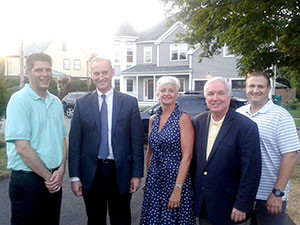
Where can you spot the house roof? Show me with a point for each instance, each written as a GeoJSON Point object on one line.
{"type": "Point", "coordinates": [35, 47]}
{"type": "Point", "coordinates": [154, 33]}
{"type": "Point", "coordinates": [126, 29]}
{"type": "Point", "coordinates": [153, 68]}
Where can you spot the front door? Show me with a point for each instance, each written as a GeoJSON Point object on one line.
{"type": "Point", "coordinates": [148, 89]}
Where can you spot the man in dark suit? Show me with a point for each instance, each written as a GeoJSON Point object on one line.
{"type": "Point", "coordinates": [106, 155]}
{"type": "Point", "coordinates": [227, 162]}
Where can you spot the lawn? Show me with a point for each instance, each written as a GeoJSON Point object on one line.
{"type": "Point", "coordinates": [293, 207]}
{"type": "Point", "coordinates": [295, 113]}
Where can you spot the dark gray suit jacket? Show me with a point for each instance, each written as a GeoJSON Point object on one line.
{"type": "Point", "coordinates": [126, 139]}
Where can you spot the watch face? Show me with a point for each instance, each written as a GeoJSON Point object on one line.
{"type": "Point", "coordinates": [278, 193]}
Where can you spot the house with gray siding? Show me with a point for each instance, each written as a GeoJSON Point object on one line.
{"type": "Point", "coordinates": [159, 54]}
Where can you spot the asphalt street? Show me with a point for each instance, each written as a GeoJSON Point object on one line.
{"type": "Point", "coordinates": [73, 210]}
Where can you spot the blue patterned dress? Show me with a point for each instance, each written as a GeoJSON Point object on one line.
{"type": "Point", "coordinates": [162, 174]}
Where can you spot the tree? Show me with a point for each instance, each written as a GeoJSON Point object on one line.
{"type": "Point", "coordinates": [2, 66]}
{"type": "Point", "coordinates": [53, 87]}
{"type": "Point", "coordinates": [78, 85]}
{"type": "Point", "coordinates": [260, 33]}
{"type": "Point", "coordinates": [3, 98]}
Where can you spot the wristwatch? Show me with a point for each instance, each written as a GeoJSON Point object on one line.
{"type": "Point", "coordinates": [178, 186]}
{"type": "Point", "coordinates": [277, 192]}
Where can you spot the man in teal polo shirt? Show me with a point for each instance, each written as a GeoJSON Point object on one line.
{"type": "Point", "coordinates": [36, 147]}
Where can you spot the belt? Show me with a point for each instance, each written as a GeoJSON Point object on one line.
{"type": "Point", "coordinates": [106, 161]}
{"type": "Point", "coordinates": [31, 172]}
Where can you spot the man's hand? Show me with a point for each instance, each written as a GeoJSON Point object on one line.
{"type": "Point", "coordinates": [274, 204]}
{"type": "Point", "coordinates": [76, 187]}
{"type": "Point", "coordinates": [135, 184]}
{"type": "Point", "coordinates": [237, 215]}
{"type": "Point", "coordinates": [55, 181]}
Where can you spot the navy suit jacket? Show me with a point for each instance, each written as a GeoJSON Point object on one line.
{"type": "Point", "coordinates": [230, 177]}
{"type": "Point", "coordinates": [126, 139]}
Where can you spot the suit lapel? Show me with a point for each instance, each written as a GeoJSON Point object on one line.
{"type": "Point", "coordinates": [117, 102]}
{"type": "Point", "coordinates": [227, 123]}
{"type": "Point", "coordinates": [205, 135]}
{"type": "Point", "coordinates": [95, 109]}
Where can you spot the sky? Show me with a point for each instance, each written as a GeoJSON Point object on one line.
{"type": "Point", "coordinates": [88, 23]}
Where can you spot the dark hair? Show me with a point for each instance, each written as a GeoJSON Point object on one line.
{"type": "Point", "coordinates": [30, 60]}
{"type": "Point", "coordinates": [259, 74]}
{"type": "Point", "coordinates": [100, 59]}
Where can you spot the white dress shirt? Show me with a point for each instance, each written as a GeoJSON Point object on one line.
{"type": "Point", "coordinates": [109, 103]}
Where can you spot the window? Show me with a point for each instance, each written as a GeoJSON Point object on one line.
{"type": "Point", "coordinates": [64, 46]}
{"type": "Point", "coordinates": [66, 64]}
{"type": "Point", "coordinates": [199, 85]}
{"type": "Point", "coordinates": [117, 84]}
{"type": "Point", "coordinates": [226, 52]}
{"type": "Point", "coordinates": [117, 70]}
{"type": "Point", "coordinates": [129, 86]}
{"type": "Point", "coordinates": [178, 52]}
{"type": "Point", "coordinates": [147, 54]}
{"type": "Point", "coordinates": [77, 64]}
{"type": "Point", "coordinates": [129, 54]}
{"type": "Point", "coordinates": [238, 84]}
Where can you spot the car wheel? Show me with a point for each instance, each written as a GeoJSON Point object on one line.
{"type": "Point", "coordinates": [69, 112]}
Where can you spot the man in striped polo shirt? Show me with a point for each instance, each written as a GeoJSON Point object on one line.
{"type": "Point", "coordinates": [279, 143]}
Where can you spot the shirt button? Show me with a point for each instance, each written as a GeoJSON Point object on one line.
{"type": "Point", "coordinates": [202, 188]}
{"type": "Point", "coordinates": [205, 173]}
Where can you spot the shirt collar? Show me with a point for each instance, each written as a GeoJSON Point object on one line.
{"type": "Point", "coordinates": [213, 122]}
{"type": "Point", "coordinates": [264, 109]}
{"type": "Point", "coordinates": [35, 96]}
{"type": "Point", "coordinates": [108, 94]}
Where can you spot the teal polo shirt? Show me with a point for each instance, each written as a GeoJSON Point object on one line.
{"type": "Point", "coordinates": [37, 120]}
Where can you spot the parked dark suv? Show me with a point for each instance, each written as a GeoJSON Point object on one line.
{"type": "Point", "coordinates": [68, 102]}
{"type": "Point", "coordinates": [192, 104]}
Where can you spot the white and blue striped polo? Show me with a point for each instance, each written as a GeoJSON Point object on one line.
{"type": "Point", "coordinates": [278, 136]}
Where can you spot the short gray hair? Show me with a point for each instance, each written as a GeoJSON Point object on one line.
{"type": "Point", "coordinates": [214, 79]}
{"type": "Point", "coordinates": [165, 80]}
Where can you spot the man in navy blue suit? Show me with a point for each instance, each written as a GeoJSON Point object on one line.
{"type": "Point", "coordinates": [226, 165]}
{"type": "Point", "coordinates": [106, 157]}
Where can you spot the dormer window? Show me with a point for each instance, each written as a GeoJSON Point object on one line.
{"type": "Point", "coordinates": [147, 54]}
{"type": "Point", "coordinates": [178, 52]}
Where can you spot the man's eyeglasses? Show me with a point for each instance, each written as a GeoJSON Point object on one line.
{"type": "Point", "coordinates": [259, 87]}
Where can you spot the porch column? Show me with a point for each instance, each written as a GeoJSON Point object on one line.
{"type": "Point", "coordinates": [154, 87]}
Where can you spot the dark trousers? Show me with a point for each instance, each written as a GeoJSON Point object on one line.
{"type": "Point", "coordinates": [262, 217]}
{"type": "Point", "coordinates": [104, 192]}
{"type": "Point", "coordinates": [31, 202]}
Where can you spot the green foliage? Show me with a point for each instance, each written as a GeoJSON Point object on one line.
{"type": "Point", "coordinates": [291, 104]}
{"type": "Point", "coordinates": [78, 85]}
{"type": "Point", "coordinates": [2, 66]}
{"type": "Point", "coordinates": [53, 87]}
{"type": "Point", "coordinates": [292, 77]}
{"type": "Point", "coordinates": [3, 159]}
{"type": "Point", "coordinates": [66, 86]}
{"type": "Point", "coordinates": [259, 33]}
{"type": "Point", "coordinates": [3, 98]}
{"type": "Point", "coordinates": [12, 81]}
{"type": "Point", "coordinates": [92, 86]}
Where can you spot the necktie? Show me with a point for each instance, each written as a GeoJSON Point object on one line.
{"type": "Point", "coordinates": [103, 148]}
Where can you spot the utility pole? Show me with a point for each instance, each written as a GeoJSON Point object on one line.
{"type": "Point", "coordinates": [21, 65]}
